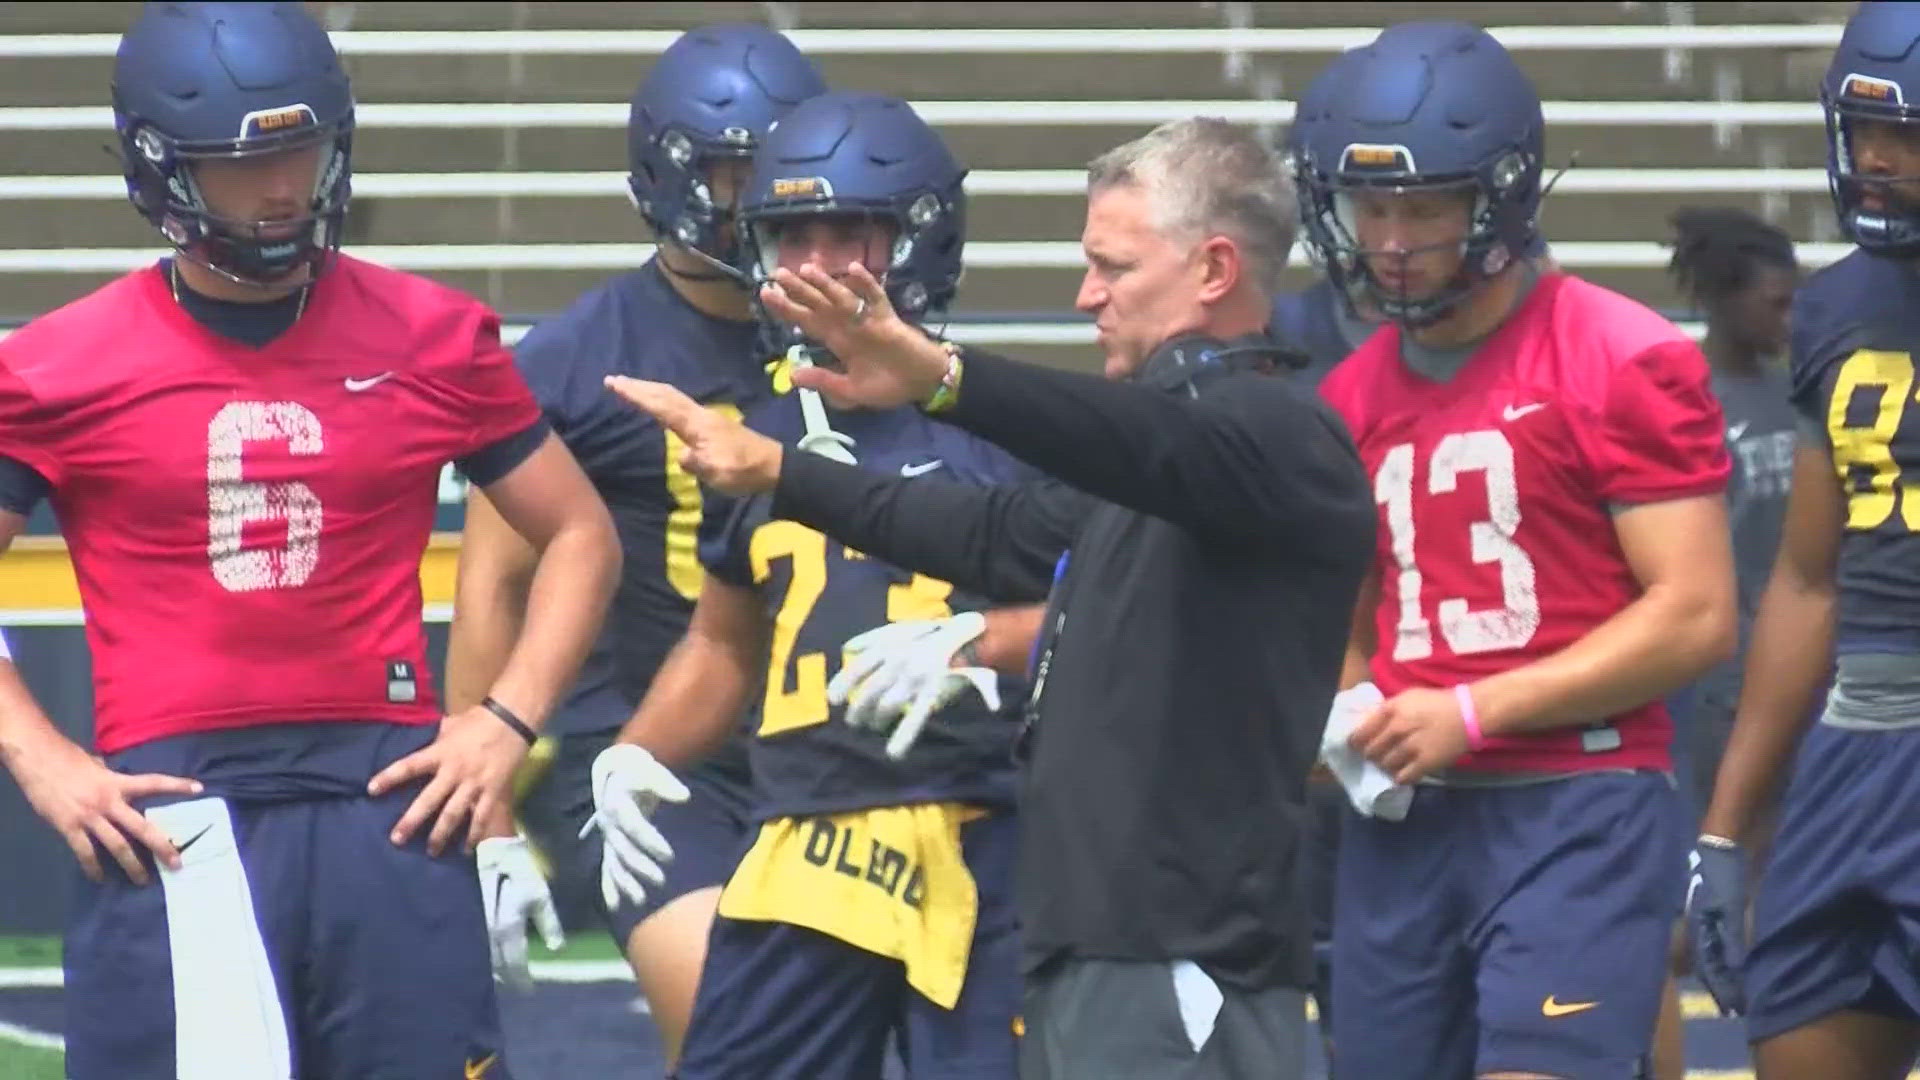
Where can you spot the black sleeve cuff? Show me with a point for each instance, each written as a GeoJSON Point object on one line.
{"type": "Point", "coordinates": [494, 461]}
{"type": "Point", "coordinates": [21, 487]}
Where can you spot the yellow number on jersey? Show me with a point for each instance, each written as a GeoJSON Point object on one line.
{"type": "Point", "coordinates": [1871, 448]}
{"type": "Point", "coordinates": [683, 521]}
{"type": "Point", "coordinates": [806, 703]}
{"type": "Point", "coordinates": [799, 699]}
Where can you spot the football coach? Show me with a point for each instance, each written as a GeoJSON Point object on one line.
{"type": "Point", "coordinates": [1217, 523]}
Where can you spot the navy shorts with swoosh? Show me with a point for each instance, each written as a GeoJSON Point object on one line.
{"type": "Point", "coordinates": [379, 953]}
{"type": "Point", "coordinates": [1508, 929]}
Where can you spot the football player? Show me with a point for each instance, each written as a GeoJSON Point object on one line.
{"type": "Point", "coordinates": [241, 443]}
{"type": "Point", "coordinates": [1739, 272]}
{"type": "Point", "coordinates": [1830, 988]}
{"type": "Point", "coordinates": [1548, 461]}
{"type": "Point", "coordinates": [683, 318]}
{"type": "Point", "coordinates": [875, 898]}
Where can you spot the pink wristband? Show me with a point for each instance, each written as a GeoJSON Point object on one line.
{"type": "Point", "coordinates": [1469, 719]}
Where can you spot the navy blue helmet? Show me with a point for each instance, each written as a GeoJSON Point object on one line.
{"type": "Point", "coordinates": [1310, 110]}
{"type": "Point", "coordinates": [712, 95]}
{"type": "Point", "coordinates": [197, 81]}
{"type": "Point", "coordinates": [1874, 71]}
{"type": "Point", "coordinates": [1313, 106]}
{"type": "Point", "coordinates": [1435, 105]}
{"type": "Point", "coordinates": [872, 155]}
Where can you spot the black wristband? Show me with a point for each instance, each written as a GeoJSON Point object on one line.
{"type": "Point", "coordinates": [507, 717]}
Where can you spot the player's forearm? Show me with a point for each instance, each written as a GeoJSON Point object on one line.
{"type": "Point", "coordinates": [693, 704]}
{"type": "Point", "coordinates": [1357, 666]}
{"type": "Point", "coordinates": [24, 727]}
{"type": "Point", "coordinates": [572, 584]}
{"type": "Point", "coordinates": [1652, 647]}
{"type": "Point", "coordinates": [1007, 644]}
{"type": "Point", "coordinates": [489, 610]}
{"type": "Point", "coordinates": [1786, 664]}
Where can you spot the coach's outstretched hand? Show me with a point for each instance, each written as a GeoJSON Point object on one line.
{"type": "Point", "coordinates": [884, 361]}
{"type": "Point", "coordinates": [86, 802]}
{"type": "Point", "coordinates": [469, 770]}
{"type": "Point", "coordinates": [721, 452]}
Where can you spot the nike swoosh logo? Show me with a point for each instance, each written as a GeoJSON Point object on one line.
{"type": "Point", "coordinates": [1737, 430]}
{"type": "Point", "coordinates": [183, 845]}
{"type": "Point", "coordinates": [354, 386]}
{"type": "Point", "coordinates": [1552, 1008]}
{"type": "Point", "coordinates": [921, 469]}
{"type": "Point", "coordinates": [1515, 412]}
{"type": "Point", "coordinates": [477, 1070]}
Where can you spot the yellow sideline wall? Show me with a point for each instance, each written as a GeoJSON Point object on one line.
{"type": "Point", "coordinates": [36, 575]}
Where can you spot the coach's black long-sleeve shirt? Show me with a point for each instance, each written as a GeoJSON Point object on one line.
{"type": "Point", "coordinates": [1220, 524]}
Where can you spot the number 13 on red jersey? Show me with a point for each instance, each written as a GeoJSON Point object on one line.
{"type": "Point", "coordinates": [1492, 541]}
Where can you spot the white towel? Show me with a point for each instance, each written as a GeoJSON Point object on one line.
{"type": "Point", "coordinates": [1371, 791]}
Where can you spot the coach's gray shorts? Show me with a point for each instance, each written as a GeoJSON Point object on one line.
{"type": "Point", "coordinates": [1151, 1020]}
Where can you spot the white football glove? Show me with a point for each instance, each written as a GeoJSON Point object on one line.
{"type": "Point", "coordinates": [628, 785]}
{"type": "Point", "coordinates": [515, 893]}
{"type": "Point", "coordinates": [897, 676]}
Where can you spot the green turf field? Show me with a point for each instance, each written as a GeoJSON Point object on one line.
{"type": "Point", "coordinates": [19, 1061]}
{"type": "Point", "coordinates": [23, 1058]}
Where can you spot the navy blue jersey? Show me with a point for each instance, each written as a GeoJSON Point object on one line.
{"type": "Point", "coordinates": [1856, 327]}
{"type": "Point", "coordinates": [635, 324]}
{"type": "Point", "coordinates": [1315, 321]}
{"type": "Point", "coordinates": [817, 593]}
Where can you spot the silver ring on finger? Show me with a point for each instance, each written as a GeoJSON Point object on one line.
{"type": "Point", "coordinates": [860, 309]}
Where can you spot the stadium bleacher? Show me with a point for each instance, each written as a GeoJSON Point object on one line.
{"type": "Point", "coordinates": [490, 153]}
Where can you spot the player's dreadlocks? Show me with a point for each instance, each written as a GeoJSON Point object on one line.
{"type": "Point", "coordinates": [1716, 249]}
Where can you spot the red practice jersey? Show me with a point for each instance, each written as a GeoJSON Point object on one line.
{"type": "Point", "coordinates": [1496, 491]}
{"type": "Point", "coordinates": [247, 524]}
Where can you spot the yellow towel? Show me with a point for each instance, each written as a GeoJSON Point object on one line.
{"type": "Point", "coordinates": [890, 880]}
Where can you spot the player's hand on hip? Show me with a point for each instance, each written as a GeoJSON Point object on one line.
{"type": "Point", "coordinates": [1413, 734]}
{"type": "Point", "coordinates": [515, 893]}
{"type": "Point", "coordinates": [720, 452]}
{"type": "Point", "coordinates": [629, 784]}
{"type": "Point", "coordinates": [86, 802]}
{"type": "Point", "coordinates": [1717, 920]}
{"type": "Point", "coordinates": [469, 773]}
{"type": "Point", "coordinates": [895, 677]}
{"type": "Point", "coordinates": [884, 362]}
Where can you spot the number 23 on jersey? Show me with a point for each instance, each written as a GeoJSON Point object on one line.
{"type": "Point", "coordinates": [1492, 542]}
{"type": "Point", "coordinates": [796, 692]}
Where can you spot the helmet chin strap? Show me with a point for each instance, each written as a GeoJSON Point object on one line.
{"type": "Point", "coordinates": [820, 438]}
{"type": "Point", "coordinates": [193, 254]}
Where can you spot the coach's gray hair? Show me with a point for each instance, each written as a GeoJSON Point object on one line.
{"type": "Point", "coordinates": [1204, 176]}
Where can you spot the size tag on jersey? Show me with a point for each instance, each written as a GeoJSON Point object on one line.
{"type": "Point", "coordinates": [1599, 740]}
{"type": "Point", "coordinates": [402, 687]}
